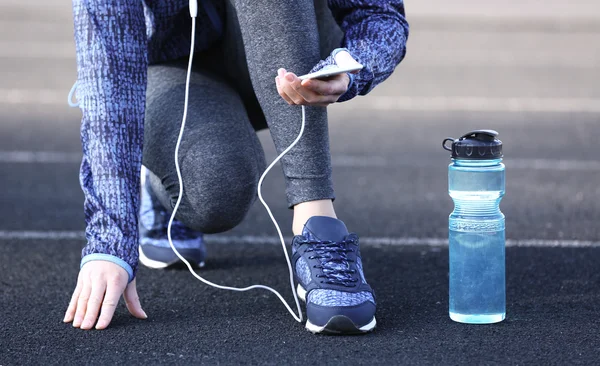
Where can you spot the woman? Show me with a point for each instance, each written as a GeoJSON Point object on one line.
{"type": "Point", "coordinates": [131, 77]}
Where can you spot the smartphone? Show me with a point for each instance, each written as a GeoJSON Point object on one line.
{"type": "Point", "coordinates": [331, 70]}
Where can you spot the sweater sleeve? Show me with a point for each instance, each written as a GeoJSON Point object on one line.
{"type": "Point", "coordinates": [111, 44]}
{"type": "Point", "coordinates": [375, 34]}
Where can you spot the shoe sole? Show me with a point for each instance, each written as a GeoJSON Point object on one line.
{"type": "Point", "coordinates": [338, 324]}
{"type": "Point", "coordinates": [154, 264]}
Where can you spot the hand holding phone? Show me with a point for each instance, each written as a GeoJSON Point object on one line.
{"type": "Point", "coordinates": [320, 88]}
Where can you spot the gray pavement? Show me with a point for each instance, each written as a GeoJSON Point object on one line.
{"type": "Point", "coordinates": [527, 69]}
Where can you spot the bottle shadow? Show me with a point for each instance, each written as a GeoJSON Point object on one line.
{"type": "Point", "coordinates": [544, 286]}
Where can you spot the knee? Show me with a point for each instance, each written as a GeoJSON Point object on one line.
{"type": "Point", "coordinates": [219, 213]}
{"type": "Point", "coordinates": [217, 197]}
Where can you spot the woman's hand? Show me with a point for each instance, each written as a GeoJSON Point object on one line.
{"type": "Point", "coordinates": [99, 286]}
{"type": "Point", "coordinates": [312, 92]}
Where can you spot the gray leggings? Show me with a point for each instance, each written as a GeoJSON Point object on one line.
{"type": "Point", "coordinates": [233, 94]}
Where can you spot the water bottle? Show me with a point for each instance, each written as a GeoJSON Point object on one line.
{"type": "Point", "coordinates": [476, 228]}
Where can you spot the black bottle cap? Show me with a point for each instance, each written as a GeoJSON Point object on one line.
{"type": "Point", "coordinates": [475, 145]}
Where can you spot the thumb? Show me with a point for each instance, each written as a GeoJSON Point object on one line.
{"type": "Point", "coordinates": [344, 59]}
{"type": "Point", "coordinates": [132, 301]}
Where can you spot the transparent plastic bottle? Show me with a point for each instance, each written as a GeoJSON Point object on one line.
{"type": "Point", "coordinates": [476, 183]}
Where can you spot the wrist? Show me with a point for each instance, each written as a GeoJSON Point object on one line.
{"type": "Point", "coordinates": [109, 258]}
{"type": "Point", "coordinates": [351, 90]}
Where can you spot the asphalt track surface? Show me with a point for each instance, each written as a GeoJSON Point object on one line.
{"type": "Point", "coordinates": [390, 175]}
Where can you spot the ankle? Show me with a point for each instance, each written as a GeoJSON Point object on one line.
{"type": "Point", "coordinates": [306, 210]}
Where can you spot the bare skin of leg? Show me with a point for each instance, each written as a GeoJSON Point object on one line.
{"type": "Point", "coordinates": [306, 210]}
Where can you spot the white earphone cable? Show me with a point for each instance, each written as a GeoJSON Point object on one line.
{"type": "Point", "coordinates": [189, 266]}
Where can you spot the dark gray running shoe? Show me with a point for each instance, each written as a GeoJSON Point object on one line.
{"type": "Point", "coordinates": [328, 268]}
{"type": "Point", "coordinates": [155, 251]}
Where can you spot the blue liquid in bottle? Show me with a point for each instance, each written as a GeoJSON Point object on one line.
{"type": "Point", "coordinates": [476, 238]}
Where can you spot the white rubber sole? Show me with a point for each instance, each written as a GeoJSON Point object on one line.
{"type": "Point", "coordinates": [317, 329]}
{"type": "Point", "coordinates": [150, 263]}
{"type": "Point", "coordinates": [323, 329]}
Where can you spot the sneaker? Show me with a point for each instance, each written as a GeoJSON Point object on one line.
{"type": "Point", "coordinates": [330, 277]}
{"type": "Point", "coordinates": [155, 251]}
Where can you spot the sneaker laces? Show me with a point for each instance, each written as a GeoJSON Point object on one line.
{"type": "Point", "coordinates": [335, 264]}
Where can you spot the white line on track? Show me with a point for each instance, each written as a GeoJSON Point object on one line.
{"type": "Point", "coordinates": [37, 50]}
{"type": "Point", "coordinates": [34, 97]}
{"type": "Point", "coordinates": [479, 104]}
{"type": "Point", "coordinates": [38, 157]}
{"type": "Point", "coordinates": [351, 161]}
{"type": "Point", "coordinates": [274, 240]}
{"type": "Point", "coordinates": [377, 103]}
{"type": "Point", "coordinates": [556, 164]}
{"type": "Point", "coordinates": [41, 235]}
